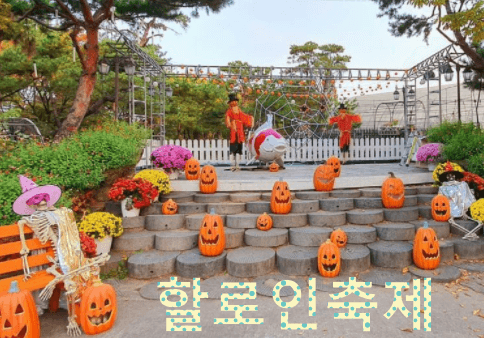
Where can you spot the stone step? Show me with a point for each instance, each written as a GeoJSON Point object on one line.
{"type": "Point", "coordinates": [355, 258]}
{"type": "Point", "coordinates": [152, 209]}
{"type": "Point", "coordinates": [368, 203]}
{"type": "Point", "coordinates": [359, 234]}
{"type": "Point", "coordinates": [133, 223]}
{"type": "Point", "coordinates": [410, 201]}
{"type": "Point", "coordinates": [361, 216]}
{"type": "Point", "coordinates": [113, 208]}
{"type": "Point", "coordinates": [269, 238]}
{"type": "Point", "coordinates": [303, 207]}
{"type": "Point", "coordinates": [467, 224]}
{"type": "Point", "coordinates": [381, 276]}
{"type": "Point", "coordinates": [152, 264]}
{"type": "Point", "coordinates": [446, 251]}
{"type": "Point", "coordinates": [164, 222]}
{"type": "Point", "coordinates": [113, 262]}
{"type": "Point", "coordinates": [267, 196]}
{"type": "Point", "coordinates": [392, 254]}
{"type": "Point", "coordinates": [226, 208]}
{"type": "Point", "coordinates": [211, 198]}
{"type": "Point", "coordinates": [309, 236]}
{"type": "Point", "coordinates": [244, 197]}
{"type": "Point", "coordinates": [250, 261]}
{"type": "Point", "coordinates": [370, 192]}
{"type": "Point", "coordinates": [407, 214]}
{"type": "Point", "coordinates": [258, 207]}
{"type": "Point", "coordinates": [345, 193]}
{"type": "Point", "coordinates": [234, 238]}
{"type": "Point", "coordinates": [410, 191]}
{"type": "Point", "coordinates": [192, 208]}
{"type": "Point", "coordinates": [178, 197]}
{"type": "Point", "coordinates": [297, 260]}
{"type": "Point", "coordinates": [193, 222]}
{"type": "Point", "coordinates": [173, 240]}
{"type": "Point", "coordinates": [425, 211]}
{"type": "Point", "coordinates": [134, 241]}
{"type": "Point", "coordinates": [336, 204]}
{"type": "Point", "coordinates": [192, 264]}
{"type": "Point", "coordinates": [443, 274]}
{"type": "Point", "coordinates": [425, 199]}
{"type": "Point", "coordinates": [289, 220]}
{"type": "Point", "coordinates": [242, 221]}
{"type": "Point", "coordinates": [327, 218]}
{"type": "Point", "coordinates": [395, 231]}
{"type": "Point", "coordinates": [427, 189]}
{"type": "Point", "coordinates": [442, 229]}
{"type": "Point", "coordinates": [312, 195]}
{"type": "Point", "coordinates": [466, 249]}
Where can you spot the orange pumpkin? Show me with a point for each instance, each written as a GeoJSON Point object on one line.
{"type": "Point", "coordinates": [329, 259]}
{"type": "Point", "coordinates": [192, 169]}
{"type": "Point", "coordinates": [18, 314]}
{"type": "Point", "coordinates": [393, 192]}
{"type": "Point", "coordinates": [208, 180]}
{"type": "Point", "coordinates": [98, 309]}
{"type": "Point", "coordinates": [281, 198]}
{"type": "Point", "coordinates": [336, 164]}
{"type": "Point", "coordinates": [264, 222]}
{"type": "Point", "coordinates": [274, 167]}
{"type": "Point", "coordinates": [211, 239]}
{"type": "Point", "coordinates": [323, 178]}
{"type": "Point", "coordinates": [440, 208]}
{"type": "Point", "coordinates": [169, 207]}
{"type": "Point", "coordinates": [339, 238]}
{"type": "Point", "coordinates": [426, 250]}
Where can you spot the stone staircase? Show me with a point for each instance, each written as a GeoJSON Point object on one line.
{"type": "Point", "coordinates": [161, 245]}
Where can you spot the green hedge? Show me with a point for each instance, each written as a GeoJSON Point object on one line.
{"type": "Point", "coordinates": [76, 163]}
{"type": "Point", "coordinates": [444, 132]}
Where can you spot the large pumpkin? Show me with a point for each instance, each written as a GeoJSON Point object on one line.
{"type": "Point", "coordinates": [264, 222]}
{"type": "Point", "coordinates": [334, 162]}
{"type": "Point", "coordinates": [393, 192]}
{"type": "Point", "coordinates": [192, 169]}
{"type": "Point", "coordinates": [169, 207]}
{"type": "Point", "coordinates": [211, 239]}
{"type": "Point", "coordinates": [323, 178]}
{"type": "Point", "coordinates": [339, 238]}
{"type": "Point", "coordinates": [281, 198]}
{"type": "Point", "coordinates": [426, 250]}
{"type": "Point", "coordinates": [208, 180]}
{"type": "Point", "coordinates": [329, 259]}
{"type": "Point", "coordinates": [440, 208]}
{"type": "Point", "coordinates": [98, 309]}
{"type": "Point", "coordinates": [18, 314]}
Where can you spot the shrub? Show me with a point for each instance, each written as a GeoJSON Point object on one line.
{"type": "Point", "coordinates": [463, 146]}
{"type": "Point", "coordinates": [476, 164]}
{"type": "Point", "coordinates": [444, 132]}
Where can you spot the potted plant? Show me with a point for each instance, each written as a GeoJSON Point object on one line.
{"type": "Point", "coordinates": [158, 178]}
{"type": "Point", "coordinates": [88, 245]}
{"type": "Point", "coordinates": [430, 153]}
{"type": "Point", "coordinates": [171, 159]}
{"type": "Point", "coordinates": [134, 194]}
{"type": "Point", "coordinates": [102, 227]}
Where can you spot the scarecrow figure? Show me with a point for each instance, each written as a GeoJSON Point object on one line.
{"type": "Point", "coordinates": [59, 227]}
{"type": "Point", "coordinates": [345, 121]}
{"type": "Point", "coordinates": [235, 120]}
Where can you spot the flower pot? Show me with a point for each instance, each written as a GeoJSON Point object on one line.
{"type": "Point", "coordinates": [104, 245]}
{"type": "Point", "coordinates": [174, 174]}
{"type": "Point", "coordinates": [432, 166]}
{"type": "Point", "coordinates": [134, 212]}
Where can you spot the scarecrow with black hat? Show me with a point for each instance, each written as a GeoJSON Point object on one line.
{"type": "Point", "coordinates": [235, 120]}
{"type": "Point", "coordinates": [458, 193]}
{"type": "Point", "coordinates": [345, 121]}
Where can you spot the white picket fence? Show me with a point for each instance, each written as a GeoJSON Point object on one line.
{"type": "Point", "coordinates": [301, 150]}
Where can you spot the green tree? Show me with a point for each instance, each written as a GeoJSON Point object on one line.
{"type": "Point", "coordinates": [312, 55]}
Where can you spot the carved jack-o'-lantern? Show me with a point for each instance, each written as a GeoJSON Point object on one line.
{"type": "Point", "coordinates": [323, 178]}
{"type": "Point", "coordinates": [281, 198]}
{"type": "Point", "coordinates": [192, 169]}
{"type": "Point", "coordinates": [274, 167]}
{"type": "Point", "coordinates": [98, 308]}
{"type": "Point", "coordinates": [264, 222]}
{"type": "Point", "coordinates": [18, 314]}
{"type": "Point", "coordinates": [440, 208]}
{"type": "Point", "coordinates": [426, 249]}
{"type": "Point", "coordinates": [169, 207]}
{"type": "Point", "coordinates": [339, 238]}
{"type": "Point", "coordinates": [211, 239]}
{"type": "Point", "coordinates": [329, 259]}
{"type": "Point", "coordinates": [393, 192]}
{"type": "Point", "coordinates": [208, 180]}
{"type": "Point", "coordinates": [336, 164]}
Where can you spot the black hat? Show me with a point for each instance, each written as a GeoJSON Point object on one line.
{"type": "Point", "coordinates": [448, 175]}
{"type": "Point", "coordinates": [342, 106]}
{"type": "Point", "coordinates": [233, 97]}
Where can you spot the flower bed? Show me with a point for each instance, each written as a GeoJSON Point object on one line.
{"type": "Point", "coordinates": [158, 178]}
{"type": "Point", "coordinates": [140, 191]}
{"type": "Point", "coordinates": [170, 157]}
{"type": "Point", "coordinates": [430, 152]}
{"type": "Point", "coordinates": [101, 224]}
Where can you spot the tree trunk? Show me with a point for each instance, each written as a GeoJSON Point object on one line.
{"type": "Point", "coordinates": [144, 40]}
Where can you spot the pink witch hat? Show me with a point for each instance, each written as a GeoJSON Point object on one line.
{"type": "Point", "coordinates": [29, 190]}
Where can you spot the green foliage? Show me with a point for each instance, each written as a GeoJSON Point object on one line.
{"type": "Point", "coordinates": [315, 56]}
{"type": "Point", "coordinates": [463, 146]}
{"type": "Point", "coordinates": [121, 272]}
{"type": "Point", "coordinates": [476, 164]}
{"type": "Point", "coordinates": [444, 132]}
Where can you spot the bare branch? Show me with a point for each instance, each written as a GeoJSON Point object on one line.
{"type": "Point", "coordinates": [60, 29]}
{"type": "Point", "coordinates": [86, 11]}
{"type": "Point", "coordinates": [68, 12]}
{"type": "Point", "coordinates": [73, 36]}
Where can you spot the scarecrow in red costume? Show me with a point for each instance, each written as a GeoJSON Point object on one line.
{"type": "Point", "coordinates": [345, 125]}
{"type": "Point", "coordinates": [235, 120]}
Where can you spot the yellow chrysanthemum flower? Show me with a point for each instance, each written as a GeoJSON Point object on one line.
{"type": "Point", "coordinates": [156, 177]}
{"type": "Point", "coordinates": [101, 224]}
{"type": "Point", "coordinates": [441, 168]}
{"type": "Point", "coordinates": [477, 210]}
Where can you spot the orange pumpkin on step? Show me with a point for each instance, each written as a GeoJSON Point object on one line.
{"type": "Point", "coordinates": [440, 208]}
{"type": "Point", "coordinates": [211, 238]}
{"type": "Point", "coordinates": [393, 192]}
{"type": "Point", "coordinates": [264, 222]}
{"type": "Point", "coordinates": [329, 259]}
{"type": "Point", "coordinates": [274, 167]}
{"type": "Point", "coordinates": [169, 207]}
{"type": "Point", "coordinates": [426, 249]}
{"type": "Point", "coordinates": [281, 198]}
{"type": "Point", "coordinates": [192, 169]}
{"type": "Point", "coordinates": [208, 180]}
{"type": "Point", "coordinates": [323, 178]}
{"type": "Point", "coordinates": [339, 238]}
{"type": "Point", "coordinates": [336, 164]}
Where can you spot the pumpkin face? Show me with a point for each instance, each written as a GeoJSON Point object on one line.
{"type": "Point", "coordinates": [192, 169]}
{"type": "Point", "coordinates": [329, 259]}
{"type": "Point", "coordinates": [264, 222]}
{"type": "Point", "coordinates": [18, 314]}
{"type": "Point", "coordinates": [169, 207]}
{"type": "Point", "coordinates": [426, 250]}
{"type": "Point", "coordinates": [274, 167]}
{"type": "Point", "coordinates": [281, 198]}
{"type": "Point", "coordinates": [440, 208]}
{"type": "Point", "coordinates": [339, 238]}
{"type": "Point", "coordinates": [208, 180]}
{"type": "Point", "coordinates": [393, 192]}
{"type": "Point", "coordinates": [211, 239]}
{"type": "Point", "coordinates": [334, 162]}
{"type": "Point", "coordinates": [323, 178]}
{"type": "Point", "coordinates": [98, 309]}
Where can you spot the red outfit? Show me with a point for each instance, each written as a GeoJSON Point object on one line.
{"type": "Point", "coordinates": [344, 122]}
{"type": "Point", "coordinates": [235, 119]}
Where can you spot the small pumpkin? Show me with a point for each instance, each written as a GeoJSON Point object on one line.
{"type": "Point", "coordinates": [426, 249]}
{"type": "Point", "coordinates": [334, 162]}
{"type": "Point", "coordinates": [18, 314]}
{"type": "Point", "coordinates": [192, 169]}
{"type": "Point", "coordinates": [339, 238]}
{"type": "Point", "coordinates": [329, 259]}
{"type": "Point", "coordinates": [169, 207]}
{"type": "Point", "coordinates": [440, 208]}
{"type": "Point", "coordinates": [323, 178]}
{"type": "Point", "coordinates": [208, 180]}
{"type": "Point", "coordinates": [264, 222]}
{"type": "Point", "coordinates": [281, 202]}
{"type": "Point", "coordinates": [274, 167]}
{"type": "Point", "coordinates": [211, 238]}
{"type": "Point", "coordinates": [393, 192]}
